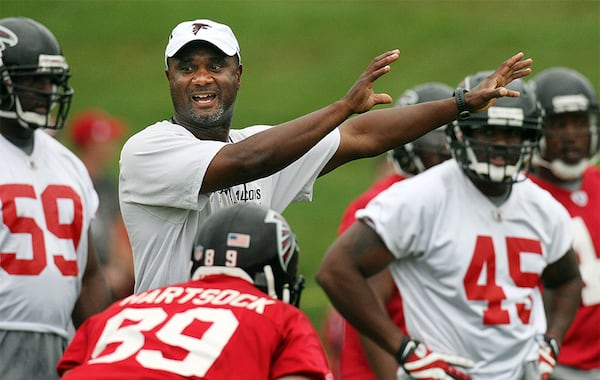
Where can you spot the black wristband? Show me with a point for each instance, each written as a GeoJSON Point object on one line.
{"type": "Point", "coordinates": [407, 347]}
{"type": "Point", "coordinates": [463, 110]}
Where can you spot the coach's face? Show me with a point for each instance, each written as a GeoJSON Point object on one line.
{"type": "Point", "coordinates": [204, 83]}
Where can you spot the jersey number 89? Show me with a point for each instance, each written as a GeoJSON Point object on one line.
{"type": "Point", "coordinates": [202, 351]}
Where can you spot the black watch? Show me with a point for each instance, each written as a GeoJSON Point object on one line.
{"type": "Point", "coordinates": [463, 110]}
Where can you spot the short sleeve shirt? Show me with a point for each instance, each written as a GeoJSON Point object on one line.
{"type": "Point", "coordinates": [161, 173]}
{"type": "Point", "coordinates": [468, 270]}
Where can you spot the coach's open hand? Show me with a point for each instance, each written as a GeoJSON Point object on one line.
{"type": "Point", "coordinates": [484, 95]}
{"type": "Point", "coordinates": [361, 98]}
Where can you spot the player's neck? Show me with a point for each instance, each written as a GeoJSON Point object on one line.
{"type": "Point", "coordinates": [496, 192]}
{"type": "Point", "coordinates": [25, 144]}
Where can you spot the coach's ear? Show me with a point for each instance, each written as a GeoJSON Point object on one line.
{"type": "Point", "coordinates": [238, 73]}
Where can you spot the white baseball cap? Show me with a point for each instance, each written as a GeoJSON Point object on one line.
{"type": "Point", "coordinates": [217, 34]}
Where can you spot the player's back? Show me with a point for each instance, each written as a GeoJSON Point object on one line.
{"type": "Point", "coordinates": [220, 327]}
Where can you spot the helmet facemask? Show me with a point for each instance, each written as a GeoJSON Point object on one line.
{"type": "Point", "coordinates": [569, 171]}
{"type": "Point", "coordinates": [20, 96]}
{"type": "Point", "coordinates": [564, 91]}
{"type": "Point", "coordinates": [34, 75]}
{"type": "Point", "coordinates": [474, 142]}
{"type": "Point", "coordinates": [489, 161]}
{"type": "Point", "coordinates": [289, 290]}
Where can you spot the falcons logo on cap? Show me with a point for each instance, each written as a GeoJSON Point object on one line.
{"type": "Point", "coordinates": [7, 38]}
{"type": "Point", "coordinates": [197, 26]}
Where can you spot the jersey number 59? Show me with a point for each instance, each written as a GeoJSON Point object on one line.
{"type": "Point", "coordinates": [51, 199]}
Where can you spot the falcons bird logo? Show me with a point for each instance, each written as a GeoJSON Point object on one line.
{"type": "Point", "coordinates": [7, 38]}
{"type": "Point", "coordinates": [286, 241]}
{"type": "Point", "coordinates": [197, 26]}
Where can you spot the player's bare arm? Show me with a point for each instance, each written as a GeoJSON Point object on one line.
{"type": "Point", "coordinates": [272, 150]}
{"type": "Point", "coordinates": [377, 131]}
{"type": "Point", "coordinates": [562, 293]}
{"type": "Point", "coordinates": [343, 275]}
{"type": "Point", "coordinates": [383, 364]}
{"type": "Point", "coordinates": [95, 293]}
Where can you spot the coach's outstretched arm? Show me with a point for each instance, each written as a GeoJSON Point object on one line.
{"type": "Point", "coordinates": [272, 150]}
{"type": "Point", "coordinates": [377, 131]}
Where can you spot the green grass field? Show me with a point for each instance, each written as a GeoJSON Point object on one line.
{"type": "Point", "coordinates": [301, 55]}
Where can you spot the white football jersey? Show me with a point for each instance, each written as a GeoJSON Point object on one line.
{"type": "Point", "coordinates": [47, 201]}
{"type": "Point", "coordinates": [468, 271]}
{"type": "Point", "coordinates": [162, 169]}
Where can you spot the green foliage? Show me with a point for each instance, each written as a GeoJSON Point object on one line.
{"type": "Point", "coordinates": [302, 55]}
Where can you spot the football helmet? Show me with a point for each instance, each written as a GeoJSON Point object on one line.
{"type": "Point", "coordinates": [256, 240]}
{"type": "Point", "coordinates": [408, 158]}
{"type": "Point", "coordinates": [30, 55]}
{"type": "Point", "coordinates": [520, 118]}
{"type": "Point", "coordinates": [561, 90]}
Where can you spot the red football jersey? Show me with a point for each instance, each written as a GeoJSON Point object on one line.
{"type": "Point", "coordinates": [353, 363]}
{"type": "Point", "coordinates": [360, 202]}
{"type": "Point", "coordinates": [581, 346]}
{"type": "Point", "coordinates": [219, 327]}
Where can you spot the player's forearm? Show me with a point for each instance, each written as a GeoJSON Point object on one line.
{"type": "Point", "coordinates": [381, 362]}
{"type": "Point", "coordinates": [562, 303]}
{"type": "Point", "coordinates": [355, 300]}
{"type": "Point", "coordinates": [358, 306]}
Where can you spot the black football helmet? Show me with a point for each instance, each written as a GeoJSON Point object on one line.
{"type": "Point", "coordinates": [29, 53]}
{"type": "Point", "coordinates": [255, 239]}
{"type": "Point", "coordinates": [408, 158]}
{"type": "Point", "coordinates": [520, 116]}
{"type": "Point", "coordinates": [562, 90]}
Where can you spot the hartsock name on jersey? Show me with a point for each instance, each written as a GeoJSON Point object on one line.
{"type": "Point", "coordinates": [199, 296]}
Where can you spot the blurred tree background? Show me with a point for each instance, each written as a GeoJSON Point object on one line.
{"type": "Point", "coordinates": [299, 56]}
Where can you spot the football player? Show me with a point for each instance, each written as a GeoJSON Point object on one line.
{"type": "Point", "coordinates": [237, 318]}
{"type": "Point", "coordinates": [49, 273]}
{"type": "Point", "coordinates": [358, 358]}
{"type": "Point", "coordinates": [467, 243]}
{"type": "Point", "coordinates": [565, 167]}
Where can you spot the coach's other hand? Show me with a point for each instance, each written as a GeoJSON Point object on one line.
{"type": "Point", "coordinates": [483, 96]}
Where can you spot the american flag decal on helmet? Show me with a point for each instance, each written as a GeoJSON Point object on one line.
{"type": "Point", "coordinates": [286, 241]}
{"type": "Point", "coordinates": [238, 240]}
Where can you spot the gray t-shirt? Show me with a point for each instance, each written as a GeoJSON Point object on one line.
{"type": "Point", "coordinates": [162, 169]}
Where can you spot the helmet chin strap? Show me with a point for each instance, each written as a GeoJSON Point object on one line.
{"type": "Point", "coordinates": [562, 170]}
{"type": "Point", "coordinates": [270, 279]}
